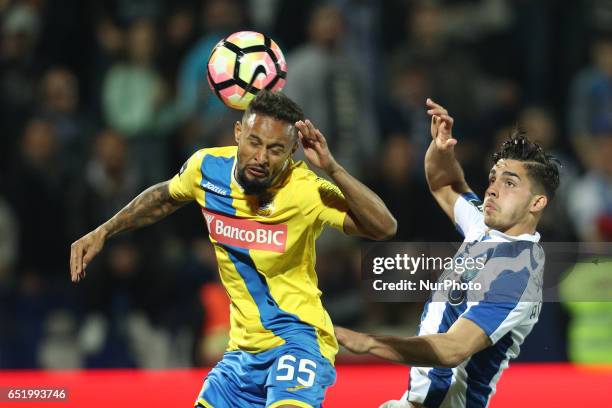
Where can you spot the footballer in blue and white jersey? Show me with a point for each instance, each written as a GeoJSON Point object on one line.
{"type": "Point", "coordinates": [514, 267]}
{"type": "Point", "coordinates": [467, 336]}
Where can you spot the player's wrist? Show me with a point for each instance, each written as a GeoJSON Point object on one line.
{"type": "Point", "coordinates": [333, 168]}
{"type": "Point", "coordinates": [103, 232]}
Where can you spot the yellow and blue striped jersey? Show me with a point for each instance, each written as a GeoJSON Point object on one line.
{"type": "Point", "coordinates": [266, 250]}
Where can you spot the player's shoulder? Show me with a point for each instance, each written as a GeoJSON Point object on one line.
{"type": "Point", "coordinates": [305, 179]}
{"type": "Point", "coordinates": [301, 173]}
{"type": "Point", "coordinates": [222, 151]}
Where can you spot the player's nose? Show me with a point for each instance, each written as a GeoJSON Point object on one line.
{"type": "Point", "coordinates": [491, 191]}
{"type": "Point", "coordinates": [261, 156]}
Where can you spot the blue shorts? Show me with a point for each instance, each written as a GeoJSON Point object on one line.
{"type": "Point", "coordinates": [288, 374]}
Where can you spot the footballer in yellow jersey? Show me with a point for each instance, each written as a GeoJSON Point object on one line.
{"type": "Point", "coordinates": [263, 212]}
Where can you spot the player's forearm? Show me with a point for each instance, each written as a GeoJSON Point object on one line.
{"type": "Point", "coordinates": [442, 169]}
{"type": "Point", "coordinates": [374, 218]}
{"type": "Point", "coordinates": [148, 207]}
{"type": "Point", "coordinates": [435, 350]}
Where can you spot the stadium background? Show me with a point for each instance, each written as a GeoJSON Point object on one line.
{"type": "Point", "coordinates": [99, 99]}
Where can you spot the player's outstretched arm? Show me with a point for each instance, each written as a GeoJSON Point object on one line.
{"type": "Point", "coordinates": [150, 206]}
{"type": "Point", "coordinates": [442, 170]}
{"type": "Point", "coordinates": [368, 215]}
{"type": "Point", "coordinates": [449, 349]}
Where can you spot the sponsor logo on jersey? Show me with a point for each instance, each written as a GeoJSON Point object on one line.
{"type": "Point", "coordinates": [244, 233]}
{"type": "Point", "coordinates": [214, 188]}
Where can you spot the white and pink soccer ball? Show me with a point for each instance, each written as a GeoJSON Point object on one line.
{"type": "Point", "coordinates": [244, 63]}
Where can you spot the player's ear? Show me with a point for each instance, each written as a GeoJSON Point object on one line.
{"type": "Point", "coordinates": [237, 131]}
{"type": "Point", "coordinates": [296, 140]}
{"type": "Point", "coordinates": [538, 203]}
{"type": "Point", "coordinates": [296, 144]}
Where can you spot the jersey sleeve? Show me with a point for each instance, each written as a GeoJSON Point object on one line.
{"type": "Point", "coordinates": [468, 213]}
{"type": "Point", "coordinates": [184, 184]}
{"type": "Point", "coordinates": [327, 204]}
{"type": "Point", "coordinates": [497, 319]}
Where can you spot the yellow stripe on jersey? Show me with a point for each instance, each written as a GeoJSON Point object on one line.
{"type": "Point", "coordinates": [202, 402]}
{"type": "Point", "coordinates": [294, 402]}
{"type": "Point", "coordinates": [265, 250]}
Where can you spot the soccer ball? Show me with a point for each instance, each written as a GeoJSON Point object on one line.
{"type": "Point", "coordinates": [242, 64]}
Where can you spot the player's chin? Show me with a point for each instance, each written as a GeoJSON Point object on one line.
{"type": "Point", "coordinates": [491, 220]}
{"type": "Point", "coordinates": [257, 181]}
{"type": "Point", "coordinates": [256, 185]}
{"type": "Point", "coordinates": [495, 222]}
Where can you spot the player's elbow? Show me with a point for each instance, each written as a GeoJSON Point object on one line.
{"type": "Point", "coordinates": [387, 230]}
{"type": "Point", "coordinates": [451, 360]}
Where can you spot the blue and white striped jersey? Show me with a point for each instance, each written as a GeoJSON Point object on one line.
{"type": "Point", "coordinates": [506, 308]}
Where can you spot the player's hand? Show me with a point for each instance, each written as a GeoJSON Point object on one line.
{"type": "Point", "coordinates": [82, 251]}
{"type": "Point", "coordinates": [355, 342]}
{"type": "Point", "coordinates": [315, 146]}
{"type": "Point", "coordinates": [441, 126]}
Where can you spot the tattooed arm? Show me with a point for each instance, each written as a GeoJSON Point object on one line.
{"type": "Point", "coordinates": [148, 207]}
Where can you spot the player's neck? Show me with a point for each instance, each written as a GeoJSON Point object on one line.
{"type": "Point", "coordinates": [520, 229]}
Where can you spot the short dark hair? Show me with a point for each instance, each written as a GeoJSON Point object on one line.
{"type": "Point", "coordinates": [542, 168]}
{"type": "Point", "coordinates": [277, 105]}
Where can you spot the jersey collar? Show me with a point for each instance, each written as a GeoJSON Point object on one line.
{"type": "Point", "coordinates": [523, 237]}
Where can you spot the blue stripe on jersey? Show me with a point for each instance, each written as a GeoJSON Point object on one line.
{"type": "Point", "coordinates": [502, 297]}
{"type": "Point", "coordinates": [283, 324]}
{"type": "Point", "coordinates": [514, 249]}
{"type": "Point", "coordinates": [217, 170]}
{"type": "Point", "coordinates": [484, 365]}
{"type": "Point", "coordinates": [441, 377]}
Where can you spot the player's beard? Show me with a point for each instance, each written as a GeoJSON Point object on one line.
{"type": "Point", "coordinates": [252, 187]}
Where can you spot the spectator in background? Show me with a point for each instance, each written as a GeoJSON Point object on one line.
{"type": "Point", "coordinates": [59, 104]}
{"type": "Point", "coordinates": [409, 85]}
{"type": "Point", "coordinates": [134, 100]}
{"type": "Point", "coordinates": [322, 80]}
{"type": "Point", "coordinates": [110, 180]}
{"type": "Point", "coordinates": [281, 20]}
{"type": "Point", "coordinates": [109, 44]}
{"type": "Point", "coordinates": [19, 67]}
{"type": "Point", "coordinates": [179, 30]}
{"type": "Point", "coordinates": [133, 92]}
{"type": "Point", "coordinates": [539, 122]}
{"type": "Point", "coordinates": [476, 98]}
{"type": "Point", "coordinates": [591, 205]}
{"type": "Point", "coordinates": [590, 103]}
{"type": "Point", "coordinates": [586, 294]}
{"type": "Point", "coordinates": [36, 190]}
{"type": "Point", "coordinates": [399, 186]}
{"type": "Point", "coordinates": [220, 18]}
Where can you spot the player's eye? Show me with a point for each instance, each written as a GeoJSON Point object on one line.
{"type": "Point", "coordinates": [510, 183]}
{"type": "Point", "coordinates": [277, 152]}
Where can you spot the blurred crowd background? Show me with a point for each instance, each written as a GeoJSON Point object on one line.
{"type": "Point", "coordinates": [100, 99]}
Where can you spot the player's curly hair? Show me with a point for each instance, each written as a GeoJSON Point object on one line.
{"type": "Point", "coordinates": [277, 105]}
{"type": "Point", "coordinates": [542, 168]}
